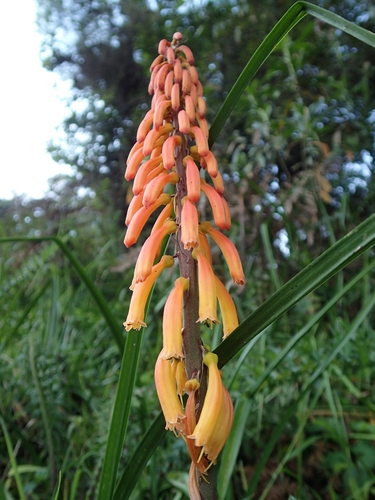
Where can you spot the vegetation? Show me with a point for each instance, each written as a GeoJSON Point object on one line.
{"type": "Point", "coordinates": [297, 154]}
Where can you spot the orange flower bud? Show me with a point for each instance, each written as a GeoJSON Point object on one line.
{"type": "Point", "coordinates": [186, 81]}
{"type": "Point", "coordinates": [170, 55]}
{"type": "Point", "coordinates": [194, 95]}
{"type": "Point", "coordinates": [216, 202]}
{"type": "Point", "coordinates": [148, 252]}
{"type": "Point", "coordinates": [201, 141]}
{"type": "Point", "coordinates": [163, 216]}
{"type": "Point", "coordinates": [193, 180]}
{"type": "Point", "coordinates": [207, 289]}
{"type": "Point", "coordinates": [144, 126]}
{"type": "Point", "coordinates": [133, 164]}
{"type": "Point", "coordinates": [183, 122]}
{"type": "Point", "coordinates": [203, 125]}
{"type": "Point", "coordinates": [162, 73]}
{"type": "Point", "coordinates": [143, 171]}
{"type": "Point", "coordinates": [155, 187]}
{"type": "Point", "coordinates": [172, 321]}
{"type": "Point", "coordinates": [218, 184]}
{"type": "Point", "coordinates": [229, 251]}
{"type": "Point", "coordinates": [163, 44]}
{"type": "Point", "coordinates": [227, 308]}
{"type": "Point", "coordinates": [228, 220]}
{"type": "Point", "coordinates": [201, 106]}
{"type": "Point", "coordinates": [209, 163]}
{"type": "Point", "coordinates": [168, 151]}
{"type": "Point", "coordinates": [177, 70]}
{"type": "Point", "coordinates": [134, 206]}
{"type": "Point", "coordinates": [158, 60]}
{"type": "Point", "coordinates": [168, 84]}
{"type": "Point", "coordinates": [140, 218]}
{"type": "Point", "coordinates": [193, 74]}
{"type": "Point", "coordinates": [190, 108]}
{"type": "Point", "coordinates": [161, 113]}
{"type": "Point", "coordinates": [153, 136]}
{"type": "Point", "coordinates": [137, 146]}
{"type": "Point", "coordinates": [175, 97]}
{"type": "Point", "coordinates": [187, 53]}
{"type": "Point", "coordinates": [166, 388]}
{"type": "Point", "coordinates": [136, 314]}
{"type": "Point", "coordinates": [189, 224]}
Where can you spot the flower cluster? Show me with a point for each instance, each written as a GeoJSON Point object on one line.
{"type": "Point", "coordinates": [172, 150]}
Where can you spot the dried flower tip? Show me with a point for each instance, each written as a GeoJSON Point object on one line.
{"type": "Point", "coordinates": [189, 224]}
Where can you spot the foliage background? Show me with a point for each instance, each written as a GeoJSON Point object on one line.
{"type": "Point", "coordinates": [297, 153]}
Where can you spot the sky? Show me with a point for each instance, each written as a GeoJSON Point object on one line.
{"type": "Point", "coordinates": [31, 108]}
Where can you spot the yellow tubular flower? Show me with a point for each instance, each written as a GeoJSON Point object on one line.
{"type": "Point", "coordinates": [227, 308]}
{"type": "Point", "coordinates": [222, 428]}
{"type": "Point", "coordinates": [136, 314]}
{"type": "Point", "coordinates": [207, 289]}
{"type": "Point", "coordinates": [212, 403]}
{"type": "Point", "coordinates": [229, 251]}
{"type": "Point", "coordinates": [166, 388]}
{"type": "Point", "coordinates": [172, 321]}
{"type": "Point", "coordinates": [148, 252]}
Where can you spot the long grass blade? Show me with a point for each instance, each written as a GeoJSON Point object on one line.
{"type": "Point", "coordinates": [13, 460]}
{"type": "Point", "coordinates": [311, 277]}
{"type": "Point", "coordinates": [361, 316]}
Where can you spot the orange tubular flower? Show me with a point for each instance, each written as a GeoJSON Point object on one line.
{"type": "Point", "coordinates": [227, 308]}
{"type": "Point", "coordinates": [172, 321]}
{"type": "Point", "coordinates": [143, 171]}
{"type": "Point", "coordinates": [229, 251]}
{"type": "Point", "coordinates": [140, 218]}
{"type": "Point", "coordinates": [189, 224]}
{"type": "Point", "coordinates": [169, 401]}
{"type": "Point", "coordinates": [217, 205]}
{"type": "Point", "coordinates": [155, 187]}
{"type": "Point", "coordinates": [136, 314]}
{"type": "Point", "coordinates": [207, 289]}
{"type": "Point", "coordinates": [168, 152]}
{"type": "Point", "coordinates": [148, 252]}
{"type": "Point", "coordinates": [193, 180]}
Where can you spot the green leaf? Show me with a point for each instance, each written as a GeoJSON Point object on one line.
{"type": "Point", "coordinates": [140, 457]}
{"type": "Point", "coordinates": [120, 415]}
{"type": "Point", "coordinates": [13, 461]}
{"type": "Point", "coordinates": [232, 446]}
{"type": "Point", "coordinates": [311, 277]}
